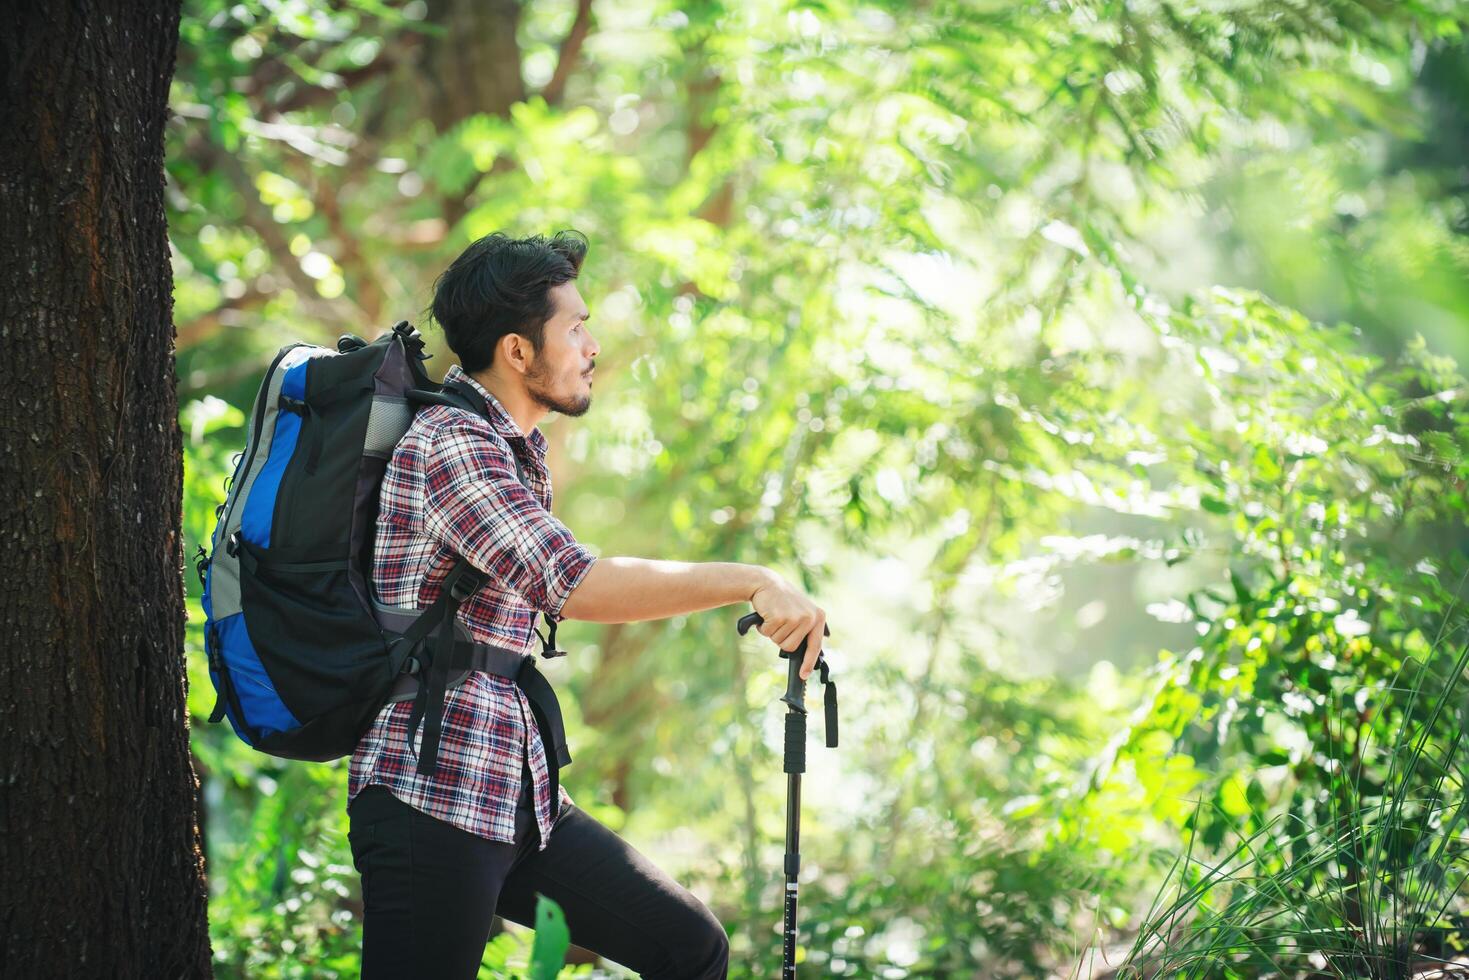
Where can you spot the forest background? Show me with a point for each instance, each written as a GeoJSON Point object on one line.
{"type": "Point", "coordinates": [1095, 364]}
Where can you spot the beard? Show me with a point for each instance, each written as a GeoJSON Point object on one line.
{"type": "Point", "coordinates": [543, 393]}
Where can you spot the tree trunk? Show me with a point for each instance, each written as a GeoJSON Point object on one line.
{"type": "Point", "coordinates": [476, 68]}
{"type": "Point", "coordinates": [99, 814]}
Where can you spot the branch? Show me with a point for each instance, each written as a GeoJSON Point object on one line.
{"type": "Point", "coordinates": [718, 208]}
{"type": "Point", "coordinates": [360, 270]}
{"type": "Point", "coordinates": [305, 97]}
{"type": "Point", "coordinates": [364, 273]}
{"type": "Point", "coordinates": [701, 91]}
{"type": "Point", "coordinates": [203, 382]}
{"type": "Point", "coordinates": [259, 220]}
{"type": "Point", "coordinates": [456, 206]}
{"type": "Point", "coordinates": [422, 235]}
{"type": "Point", "coordinates": [206, 325]}
{"type": "Point", "coordinates": [570, 51]}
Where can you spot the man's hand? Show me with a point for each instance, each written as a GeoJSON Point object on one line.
{"type": "Point", "coordinates": [790, 617]}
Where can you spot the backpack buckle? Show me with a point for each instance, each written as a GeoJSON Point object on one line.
{"type": "Point", "coordinates": [412, 339]}
{"type": "Point", "coordinates": [548, 643]}
{"type": "Point", "coordinates": [410, 663]}
{"type": "Point", "coordinates": [466, 584]}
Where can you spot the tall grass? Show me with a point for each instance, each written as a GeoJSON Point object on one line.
{"type": "Point", "coordinates": [1368, 882]}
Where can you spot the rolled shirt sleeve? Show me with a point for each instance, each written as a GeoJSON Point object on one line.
{"type": "Point", "coordinates": [478, 507]}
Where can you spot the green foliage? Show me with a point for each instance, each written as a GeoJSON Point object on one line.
{"type": "Point", "coordinates": [1364, 881]}
{"type": "Point", "coordinates": [552, 938]}
{"type": "Point", "coordinates": [916, 305]}
{"type": "Point", "coordinates": [1335, 473]}
{"type": "Point", "coordinates": [1328, 473]}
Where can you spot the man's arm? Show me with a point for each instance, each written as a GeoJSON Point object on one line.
{"type": "Point", "coordinates": [626, 590]}
{"type": "Point", "coordinates": [476, 505]}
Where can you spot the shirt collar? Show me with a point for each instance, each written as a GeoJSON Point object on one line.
{"type": "Point", "coordinates": [500, 420]}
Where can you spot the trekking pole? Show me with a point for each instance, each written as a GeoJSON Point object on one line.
{"type": "Point", "coordinates": [795, 764]}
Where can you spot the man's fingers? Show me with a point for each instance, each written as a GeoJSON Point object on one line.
{"type": "Point", "coordinates": [790, 634]}
{"type": "Point", "coordinates": [813, 646]}
{"type": "Point", "coordinates": [813, 653]}
{"type": "Point", "coordinates": [795, 631]}
{"type": "Point", "coordinates": [788, 637]}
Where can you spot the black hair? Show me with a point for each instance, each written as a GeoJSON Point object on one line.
{"type": "Point", "coordinates": [501, 285]}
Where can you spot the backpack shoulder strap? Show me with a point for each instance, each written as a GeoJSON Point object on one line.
{"type": "Point", "coordinates": [456, 394]}
{"type": "Point", "coordinates": [462, 581]}
{"type": "Point", "coordinates": [462, 395]}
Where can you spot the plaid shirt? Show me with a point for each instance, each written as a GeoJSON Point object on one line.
{"type": "Point", "coordinates": [451, 489]}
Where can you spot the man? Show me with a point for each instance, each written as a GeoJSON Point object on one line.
{"type": "Point", "coordinates": [440, 855]}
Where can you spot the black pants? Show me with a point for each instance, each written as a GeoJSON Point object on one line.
{"type": "Point", "coordinates": [431, 891]}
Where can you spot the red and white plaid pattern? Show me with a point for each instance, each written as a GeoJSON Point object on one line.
{"type": "Point", "coordinates": [450, 490]}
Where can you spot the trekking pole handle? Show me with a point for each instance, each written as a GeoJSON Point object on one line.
{"type": "Point", "coordinates": [755, 619]}
{"type": "Point", "coordinates": [795, 695]}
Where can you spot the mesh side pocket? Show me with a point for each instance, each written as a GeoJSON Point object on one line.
{"type": "Point", "coordinates": [386, 424]}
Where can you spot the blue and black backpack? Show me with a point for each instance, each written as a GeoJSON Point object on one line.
{"type": "Point", "coordinates": [301, 654]}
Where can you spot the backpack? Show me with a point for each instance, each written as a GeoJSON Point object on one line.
{"type": "Point", "coordinates": [301, 654]}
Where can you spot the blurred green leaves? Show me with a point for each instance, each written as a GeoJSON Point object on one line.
{"type": "Point", "coordinates": [919, 307]}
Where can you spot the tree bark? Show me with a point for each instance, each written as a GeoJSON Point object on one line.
{"type": "Point", "coordinates": [99, 825]}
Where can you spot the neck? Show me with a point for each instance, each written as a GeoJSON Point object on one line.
{"type": "Point", "coordinates": [511, 393]}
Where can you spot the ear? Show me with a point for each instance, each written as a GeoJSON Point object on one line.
{"type": "Point", "coordinates": [516, 353]}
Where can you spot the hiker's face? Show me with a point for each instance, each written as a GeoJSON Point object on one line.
{"type": "Point", "coordinates": [559, 378]}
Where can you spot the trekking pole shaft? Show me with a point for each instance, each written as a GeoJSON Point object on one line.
{"type": "Point", "coordinates": [792, 870]}
{"type": "Point", "coordinates": [795, 764]}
